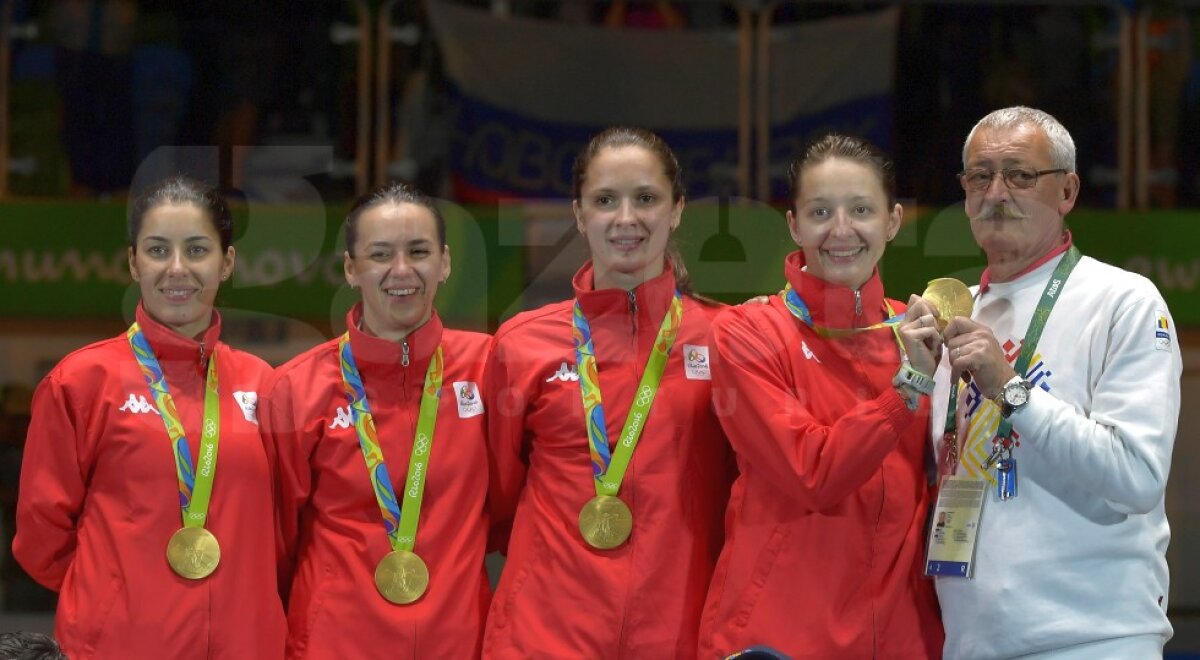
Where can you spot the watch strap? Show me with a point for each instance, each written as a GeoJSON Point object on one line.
{"type": "Point", "coordinates": [907, 376]}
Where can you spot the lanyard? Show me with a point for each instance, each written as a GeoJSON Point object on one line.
{"type": "Point", "coordinates": [608, 468]}
{"type": "Point", "coordinates": [1041, 314]}
{"type": "Point", "coordinates": [195, 487]}
{"type": "Point", "coordinates": [799, 309]}
{"type": "Point", "coordinates": [400, 522]}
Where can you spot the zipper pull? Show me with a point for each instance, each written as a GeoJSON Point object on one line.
{"type": "Point", "coordinates": [404, 356]}
{"type": "Point", "coordinates": [202, 362]}
{"type": "Point", "coordinates": [857, 303]}
{"type": "Point", "coordinates": [633, 309]}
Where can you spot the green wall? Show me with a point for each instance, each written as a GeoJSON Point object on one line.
{"type": "Point", "coordinates": [68, 259]}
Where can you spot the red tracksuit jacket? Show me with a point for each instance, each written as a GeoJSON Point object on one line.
{"type": "Point", "coordinates": [825, 532]}
{"type": "Point", "coordinates": [99, 500]}
{"type": "Point", "coordinates": [332, 533]}
{"type": "Point", "coordinates": [558, 597]}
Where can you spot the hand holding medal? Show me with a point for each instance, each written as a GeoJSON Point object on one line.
{"type": "Point", "coordinates": [950, 298]}
{"type": "Point", "coordinates": [923, 325]}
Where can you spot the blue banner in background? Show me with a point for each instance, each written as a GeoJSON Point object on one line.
{"type": "Point", "coordinates": [868, 117]}
{"type": "Point", "coordinates": [527, 94]}
{"type": "Point", "coordinates": [497, 154]}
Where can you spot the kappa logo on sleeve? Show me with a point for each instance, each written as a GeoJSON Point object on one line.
{"type": "Point", "coordinates": [695, 362]}
{"type": "Point", "coordinates": [137, 404]}
{"type": "Point", "coordinates": [470, 404]}
{"type": "Point", "coordinates": [343, 419]}
{"type": "Point", "coordinates": [248, 402]}
{"type": "Point", "coordinates": [808, 354]}
{"type": "Point", "coordinates": [1162, 330]}
{"type": "Point", "coordinates": [566, 373]}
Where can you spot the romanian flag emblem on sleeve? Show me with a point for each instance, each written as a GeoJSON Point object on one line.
{"type": "Point", "coordinates": [1162, 331]}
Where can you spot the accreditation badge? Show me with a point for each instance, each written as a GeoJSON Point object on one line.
{"type": "Point", "coordinates": [955, 528]}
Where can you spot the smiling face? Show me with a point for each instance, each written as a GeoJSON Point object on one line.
{"type": "Point", "coordinates": [1016, 227]}
{"type": "Point", "coordinates": [626, 212]}
{"type": "Point", "coordinates": [842, 220]}
{"type": "Point", "coordinates": [178, 263]}
{"type": "Point", "coordinates": [398, 265]}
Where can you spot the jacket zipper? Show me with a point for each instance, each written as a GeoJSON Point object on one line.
{"type": "Point", "coordinates": [202, 362]}
{"type": "Point", "coordinates": [857, 303]}
{"type": "Point", "coordinates": [874, 552]}
{"type": "Point", "coordinates": [412, 426]}
{"type": "Point", "coordinates": [633, 309]}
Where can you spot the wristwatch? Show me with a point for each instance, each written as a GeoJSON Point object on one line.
{"type": "Point", "coordinates": [912, 385]}
{"type": "Point", "coordinates": [907, 376]}
{"type": "Point", "coordinates": [1013, 396]}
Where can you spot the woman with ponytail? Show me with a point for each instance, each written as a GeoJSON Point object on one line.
{"type": "Point", "coordinates": [609, 470]}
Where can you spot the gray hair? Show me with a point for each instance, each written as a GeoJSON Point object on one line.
{"type": "Point", "coordinates": [1062, 147]}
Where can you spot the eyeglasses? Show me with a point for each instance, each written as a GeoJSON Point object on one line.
{"type": "Point", "coordinates": [1016, 178]}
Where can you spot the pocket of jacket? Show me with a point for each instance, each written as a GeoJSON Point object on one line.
{"type": "Point", "coordinates": [313, 611]}
{"type": "Point", "coordinates": [92, 635]}
{"type": "Point", "coordinates": [763, 566]}
{"type": "Point", "coordinates": [501, 609]}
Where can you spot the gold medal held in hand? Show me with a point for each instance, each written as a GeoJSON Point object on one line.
{"type": "Point", "coordinates": [951, 298]}
{"type": "Point", "coordinates": [401, 577]}
{"type": "Point", "coordinates": [193, 553]}
{"type": "Point", "coordinates": [605, 522]}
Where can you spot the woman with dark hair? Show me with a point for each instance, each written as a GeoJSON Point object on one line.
{"type": "Point", "coordinates": [145, 494]}
{"type": "Point", "coordinates": [382, 470]}
{"type": "Point", "coordinates": [830, 425]}
{"type": "Point", "coordinates": [22, 645]}
{"type": "Point", "coordinates": [614, 506]}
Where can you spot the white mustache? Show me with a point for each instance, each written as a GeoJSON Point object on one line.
{"type": "Point", "coordinates": [1000, 211]}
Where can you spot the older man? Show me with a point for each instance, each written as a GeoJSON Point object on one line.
{"type": "Point", "coordinates": [1070, 369]}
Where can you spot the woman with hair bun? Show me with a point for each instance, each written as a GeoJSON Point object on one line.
{"type": "Point", "coordinates": [378, 435]}
{"type": "Point", "coordinates": [831, 416]}
{"type": "Point", "coordinates": [607, 461]}
{"type": "Point", "coordinates": [145, 494]}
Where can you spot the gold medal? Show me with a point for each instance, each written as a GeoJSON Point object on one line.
{"type": "Point", "coordinates": [193, 553]}
{"type": "Point", "coordinates": [605, 522]}
{"type": "Point", "coordinates": [401, 577]}
{"type": "Point", "coordinates": [951, 298]}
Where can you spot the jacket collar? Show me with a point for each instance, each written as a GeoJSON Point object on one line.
{"type": "Point", "coordinates": [169, 345]}
{"type": "Point", "coordinates": [985, 280]}
{"type": "Point", "coordinates": [831, 305]}
{"type": "Point", "coordinates": [372, 352]}
{"type": "Point", "coordinates": [652, 297]}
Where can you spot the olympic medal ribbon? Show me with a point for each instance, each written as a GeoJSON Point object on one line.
{"type": "Point", "coordinates": [949, 296]}
{"type": "Point", "coordinates": [195, 486]}
{"type": "Point", "coordinates": [796, 305]}
{"type": "Point", "coordinates": [192, 551]}
{"type": "Point", "coordinates": [608, 468]}
{"type": "Point", "coordinates": [399, 521]}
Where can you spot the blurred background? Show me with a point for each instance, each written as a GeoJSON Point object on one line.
{"type": "Point", "coordinates": [295, 107]}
